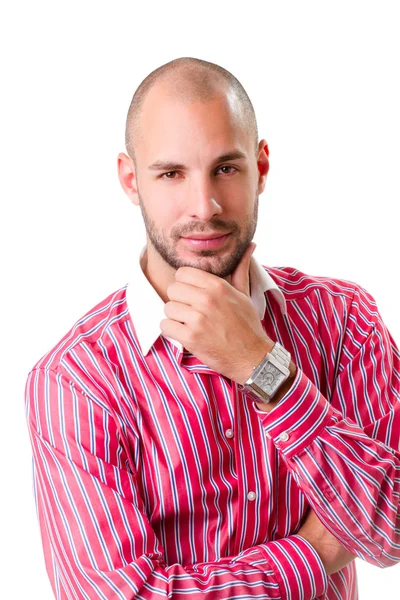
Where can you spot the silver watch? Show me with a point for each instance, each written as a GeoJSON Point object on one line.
{"type": "Point", "coordinates": [268, 376]}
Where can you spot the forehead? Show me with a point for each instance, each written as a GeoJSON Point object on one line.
{"type": "Point", "coordinates": [171, 124]}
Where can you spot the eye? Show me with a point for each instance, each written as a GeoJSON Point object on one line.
{"type": "Point", "coordinates": [162, 176]}
{"type": "Point", "coordinates": [167, 173]}
{"type": "Point", "coordinates": [227, 167]}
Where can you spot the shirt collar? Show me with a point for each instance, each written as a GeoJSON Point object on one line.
{"type": "Point", "coordinates": [146, 308]}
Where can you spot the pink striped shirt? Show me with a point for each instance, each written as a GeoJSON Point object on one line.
{"type": "Point", "coordinates": [156, 477]}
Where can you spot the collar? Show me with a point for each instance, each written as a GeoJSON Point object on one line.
{"type": "Point", "coordinates": [146, 308]}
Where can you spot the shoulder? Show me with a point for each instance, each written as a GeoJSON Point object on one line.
{"type": "Point", "coordinates": [325, 295]}
{"type": "Point", "coordinates": [296, 284]}
{"type": "Point", "coordinates": [90, 329]}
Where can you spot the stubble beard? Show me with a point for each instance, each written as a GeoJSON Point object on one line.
{"type": "Point", "coordinates": [222, 266]}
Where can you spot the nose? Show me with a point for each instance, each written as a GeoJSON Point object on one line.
{"type": "Point", "coordinates": [202, 204]}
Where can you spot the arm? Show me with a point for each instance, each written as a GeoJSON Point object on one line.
{"type": "Point", "coordinates": [97, 538]}
{"type": "Point", "coordinates": [331, 552]}
{"type": "Point", "coordinates": [344, 453]}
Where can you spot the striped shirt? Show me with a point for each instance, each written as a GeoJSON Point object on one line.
{"type": "Point", "coordinates": [155, 477]}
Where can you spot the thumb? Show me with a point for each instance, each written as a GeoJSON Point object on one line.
{"type": "Point", "coordinates": [240, 276]}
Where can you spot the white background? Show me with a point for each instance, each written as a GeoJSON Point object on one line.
{"type": "Point", "coordinates": [324, 80]}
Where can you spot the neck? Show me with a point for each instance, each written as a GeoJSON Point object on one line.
{"type": "Point", "coordinates": [157, 273]}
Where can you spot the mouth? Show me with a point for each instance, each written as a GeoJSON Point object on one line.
{"type": "Point", "coordinates": [206, 242]}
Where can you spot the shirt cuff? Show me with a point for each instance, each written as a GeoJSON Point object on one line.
{"type": "Point", "coordinates": [298, 417]}
{"type": "Point", "coordinates": [298, 568]}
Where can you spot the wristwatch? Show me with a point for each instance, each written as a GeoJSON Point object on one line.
{"type": "Point", "coordinates": [268, 376]}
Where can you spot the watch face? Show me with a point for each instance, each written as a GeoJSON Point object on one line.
{"type": "Point", "coordinates": [270, 378]}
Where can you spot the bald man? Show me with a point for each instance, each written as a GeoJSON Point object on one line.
{"type": "Point", "coordinates": [214, 428]}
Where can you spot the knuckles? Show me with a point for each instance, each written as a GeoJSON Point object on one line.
{"type": "Point", "coordinates": [162, 325]}
{"type": "Point", "coordinates": [171, 288]}
{"type": "Point", "coordinates": [199, 321]}
{"type": "Point", "coordinates": [207, 301]}
{"type": "Point", "coordinates": [168, 308]}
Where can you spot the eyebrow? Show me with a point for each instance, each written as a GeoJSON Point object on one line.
{"type": "Point", "coordinates": [160, 165]}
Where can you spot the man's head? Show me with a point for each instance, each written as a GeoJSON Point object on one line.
{"type": "Point", "coordinates": [187, 114]}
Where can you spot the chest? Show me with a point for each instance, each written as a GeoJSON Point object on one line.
{"type": "Point", "coordinates": [207, 470]}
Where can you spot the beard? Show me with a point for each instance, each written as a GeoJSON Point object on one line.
{"type": "Point", "coordinates": [221, 266]}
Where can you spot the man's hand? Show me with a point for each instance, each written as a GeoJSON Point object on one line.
{"type": "Point", "coordinates": [333, 555]}
{"type": "Point", "coordinates": [217, 321]}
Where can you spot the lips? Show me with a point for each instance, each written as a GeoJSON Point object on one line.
{"type": "Point", "coordinates": [207, 243]}
{"type": "Point", "coordinates": [204, 236]}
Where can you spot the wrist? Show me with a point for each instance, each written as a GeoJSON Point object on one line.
{"type": "Point", "coordinates": [282, 391]}
{"type": "Point", "coordinates": [255, 359]}
{"type": "Point", "coordinates": [271, 376]}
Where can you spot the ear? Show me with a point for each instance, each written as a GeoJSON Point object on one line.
{"type": "Point", "coordinates": [127, 177]}
{"type": "Point", "coordinates": [262, 164]}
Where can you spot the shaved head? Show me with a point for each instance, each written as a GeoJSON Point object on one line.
{"type": "Point", "coordinates": [189, 80]}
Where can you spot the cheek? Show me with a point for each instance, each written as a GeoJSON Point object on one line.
{"type": "Point", "coordinates": [165, 216]}
{"type": "Point", "coordinates": [241, 204]}
{"type": "Point", "coordinates": [161, 208]}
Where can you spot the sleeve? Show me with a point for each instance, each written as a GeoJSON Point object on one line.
{"type": "Point", "coordinates": [97, 538]}
{"type": "Point", "coordinates": [343, 451]}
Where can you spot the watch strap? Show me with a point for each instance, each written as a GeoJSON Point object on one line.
{"type": "Point", "coordinates": [281, 354]}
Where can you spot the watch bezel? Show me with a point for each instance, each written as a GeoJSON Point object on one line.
{"type": "Point", "coordinates": [268, 359]}
{"type": "Point", "coordinates": [254, 390]}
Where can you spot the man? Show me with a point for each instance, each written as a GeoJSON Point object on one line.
{"type": "Point", "coordinates": [160, 469]}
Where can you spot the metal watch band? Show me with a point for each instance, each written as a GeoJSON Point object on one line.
{"type": "Point", "coordinates": [281, 354]}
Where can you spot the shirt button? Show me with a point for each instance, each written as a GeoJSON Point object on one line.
{"type": "Point", "coordinates": [251, 495]}
{"type": "Point", "coordinates": [329, 495]}
{"type": "Point", "coordinates": [229, 433]}
{"type": "Point", "coordinates": [284, 436]}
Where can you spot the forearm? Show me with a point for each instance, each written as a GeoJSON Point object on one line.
{"type": "Point", "coordinates": [130, 561]}
{"type": "Point", "coordinates": [351, 480]}
{"type": "Point", "coordinates": [332, 554]}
